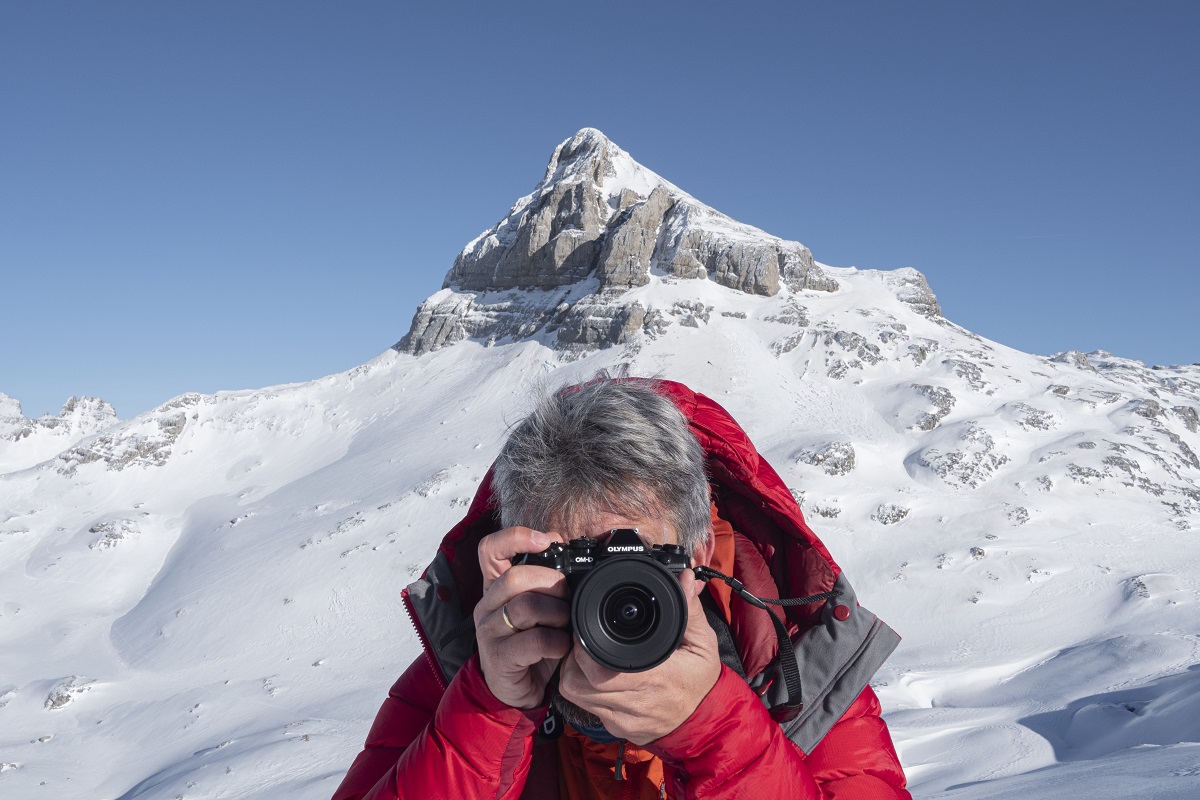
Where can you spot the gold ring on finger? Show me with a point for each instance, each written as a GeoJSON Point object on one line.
{"type": "Point", "coordinates": [504, 616]}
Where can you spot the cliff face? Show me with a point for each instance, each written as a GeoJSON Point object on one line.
{"type": "Point", "coordinates": [597, 225]}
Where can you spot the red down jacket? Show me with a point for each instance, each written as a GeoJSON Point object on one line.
{"type": "Point", "coordinates": [441, 733]}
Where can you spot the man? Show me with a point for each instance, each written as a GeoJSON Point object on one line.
{"type": "Point", "coordinates": [721, 717]}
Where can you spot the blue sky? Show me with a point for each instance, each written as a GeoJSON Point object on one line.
{"type": "Point", "coordinates": [227, 195]}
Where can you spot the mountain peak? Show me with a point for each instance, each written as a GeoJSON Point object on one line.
{"type": "Point", "coordinates": [583, 153]}
{"type": "Point", "coordinates": [599, 224]}
{"type": "Point", "coordinates": [590, 139]}
{"type": "Point", "coordinates": [592, 159]}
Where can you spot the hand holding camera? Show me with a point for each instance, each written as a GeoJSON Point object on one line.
{"type": "Point", "coordinates": [521, 621]}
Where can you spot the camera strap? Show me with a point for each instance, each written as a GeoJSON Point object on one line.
{"type": "Point", "coordinates": [787, 654]}
{"type": "Point", "coordinates": [726, 646]}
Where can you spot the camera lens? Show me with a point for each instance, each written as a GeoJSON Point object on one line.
{"type": "Point", "coordinates": [629, 613]}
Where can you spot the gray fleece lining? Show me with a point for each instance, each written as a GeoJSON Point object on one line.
{"type": "Point", "coordinates": [437, 618]}
{"type": "Point", "coordinates": [837, 659]}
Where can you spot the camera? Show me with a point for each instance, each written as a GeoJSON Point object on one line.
{"type": "Point", "coordinates": [626, 602]}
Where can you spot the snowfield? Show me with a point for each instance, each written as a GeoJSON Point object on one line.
{"type": "Point", "coordinates": [204, 601]}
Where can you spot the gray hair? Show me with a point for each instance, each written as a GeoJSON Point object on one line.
{"type": "Point", "coordinates": [606, 446]}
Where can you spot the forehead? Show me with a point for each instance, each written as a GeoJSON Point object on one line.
{"type": "Point", "coordinates": [652, 530]}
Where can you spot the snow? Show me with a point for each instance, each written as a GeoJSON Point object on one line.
{"type": "Point", "coordinates": [624, 174]}
{"type": "Point", "coordinates": [628, 174]}
{"type": "Point", "coordinates": [203, 602]}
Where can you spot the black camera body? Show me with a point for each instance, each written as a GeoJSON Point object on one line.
{"type": "Point", "coordinates": [627, 606]}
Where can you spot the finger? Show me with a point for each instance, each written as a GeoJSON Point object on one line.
{"type": "Point", "coordinates": [518, 667]}
{"type": "Point", "coordinates": [572, 684]}
{"type": "Point", "coordinates": [592, 687]}
{"type": "Point", "coordinates": [698, 634]}
{"type": "Point", "coordinates": [693, 588]}
{"type": "Point", "coordinates": [526, 648]}
{"type": "Point", "coordinates": [691, 585]}
{"type": "Point", "coordinates": [515, 582]}
{"type": "Point", "coordinates": [497, 549]}
{"type": "Point", "coordinates": [533, 609]}
{"type": "Point", "coordinates": [594, 673]}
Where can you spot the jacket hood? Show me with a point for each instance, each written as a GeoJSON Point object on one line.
{"type": "Point", "coordinates": [746, 492]}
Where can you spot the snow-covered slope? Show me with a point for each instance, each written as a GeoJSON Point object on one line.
{"type": "Point", "coordinates": [204, 601]}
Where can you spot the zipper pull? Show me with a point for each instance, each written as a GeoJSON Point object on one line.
{"type": "Point", "coordinates": [619, 770]}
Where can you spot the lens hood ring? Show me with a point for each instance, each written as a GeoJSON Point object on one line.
{"type": "Point", "coordinates": [629, 613]}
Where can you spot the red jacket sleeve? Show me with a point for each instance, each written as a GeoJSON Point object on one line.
{"type": "Point", "coordinates": [426, 744]}
{"type": "Point", "coordinates": [856, 759]}
{"type": "Point", "coordinates": [731, 748]}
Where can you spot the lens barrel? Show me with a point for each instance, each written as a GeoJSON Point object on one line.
{"type": "Point", "coordinates": [629, 613]}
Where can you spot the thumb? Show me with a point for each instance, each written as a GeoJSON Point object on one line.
{"type": "Point", "coordinates": [691, 585]}
{"type": "Point", "coordinates": [697, 622]}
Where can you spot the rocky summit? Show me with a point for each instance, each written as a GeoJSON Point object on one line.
{"type": "Point", "coordinates": [598, 224]}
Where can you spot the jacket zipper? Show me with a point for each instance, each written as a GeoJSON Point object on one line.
{"type": "Point", "coordinates": [630, 790]}
{"type": "Point", "coordinates": [425, 648]}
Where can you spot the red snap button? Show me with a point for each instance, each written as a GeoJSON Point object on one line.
{"type": "Point", "coordinates": [443, 593]}
{"type": "Point", "coordinates": [841, 613]}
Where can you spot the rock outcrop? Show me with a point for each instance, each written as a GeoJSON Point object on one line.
{"type": "Point", "coordinates": [79, 416]}
{"type": "Point", "coordinates": [146, 441]}
{"type": "Point", "coordinates": [25, 442]}
{"type": "Point", "coordinates": [597, 225]}
{"type": "Point", "coordinates": [911, 287]}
